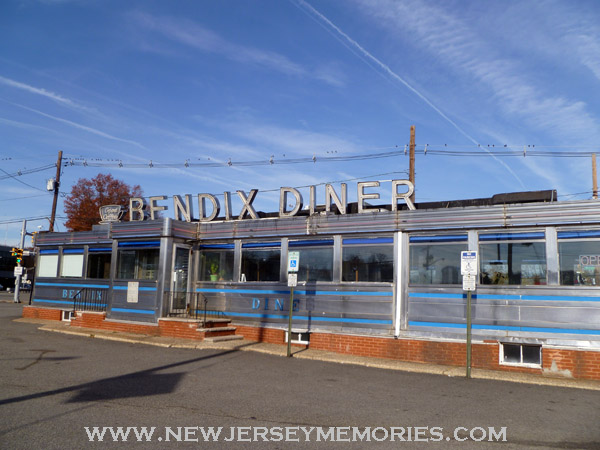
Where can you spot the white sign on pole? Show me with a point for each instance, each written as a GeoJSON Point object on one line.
{"type": "Point", "coordinates": [469, 282]}
{"type": "Point", "coordinates": [293, 261]}
{"type": "Point", "coordinates": [468, 263]}
{"type": "Point", "coordinates": [18, 270]}
{"type": "Point", "coordinates": [292, 279]}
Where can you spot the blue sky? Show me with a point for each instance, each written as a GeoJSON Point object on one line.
{"type": "Point", "coordinates": [213, 81]}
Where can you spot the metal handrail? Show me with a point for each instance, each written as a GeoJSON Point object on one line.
{"type": "Point", "coordinates": [90, 299]}
{"type": "Point", "coordinates": [195, 305]}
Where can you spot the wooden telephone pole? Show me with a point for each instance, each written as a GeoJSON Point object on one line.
{"type": "Point", "coordinates": [411, 164]}
{"type": "Point", "coordinates": [594, 178]}
{"type": "Point", "coordinates": [56, 186]}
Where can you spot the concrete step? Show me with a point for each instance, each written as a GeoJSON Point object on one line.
{"type": "Point", "coordinates": [232, 337]}
{"type": "Point", "coordinates": [217, 329]}
{"type": "Point", "coordinates": [217, 323]}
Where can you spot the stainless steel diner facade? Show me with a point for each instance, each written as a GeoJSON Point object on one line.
{"type": "Point", "coordinates": [385, 274]}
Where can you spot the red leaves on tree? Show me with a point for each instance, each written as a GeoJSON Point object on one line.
{"type": "Point", "coordinates": [82, 205]}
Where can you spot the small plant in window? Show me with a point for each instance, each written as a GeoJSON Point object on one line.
{"type": "Point", "coordinates": [214, 272]}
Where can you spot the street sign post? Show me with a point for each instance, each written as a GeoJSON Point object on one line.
{"type": "Point", "coordinates": [469, 268]}
{"type": "Point", "coordinates": [293, 265]}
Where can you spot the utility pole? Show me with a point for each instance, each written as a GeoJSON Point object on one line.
{"type": "Point", "coordinates": [594, 178]}
{"type": "Point", "coordinates": [56, 185]}
{"type": "Point", "coordinates": [18, 276]}
{"type": "Point", "coordinates": [411, 164]}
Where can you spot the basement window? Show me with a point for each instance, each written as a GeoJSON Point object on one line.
{"type": "Point", "coordinates": [529, 355]}
{"type": "Point", "coordinates": [67, 316]}
{"type": "Point", "coordinates": [299, 337]}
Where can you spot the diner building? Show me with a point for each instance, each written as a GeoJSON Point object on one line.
{"type": "Point", "coordinates": [382, 281]}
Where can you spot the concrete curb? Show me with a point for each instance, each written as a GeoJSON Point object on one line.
{"type": "Point", "coordinates": [318, 355]}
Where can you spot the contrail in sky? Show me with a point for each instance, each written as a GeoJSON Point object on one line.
{"type": "Point", "coordinates": [396, 77]}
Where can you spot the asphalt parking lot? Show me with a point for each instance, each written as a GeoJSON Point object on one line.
{"type": "Point", "coordinates": [54, 385]}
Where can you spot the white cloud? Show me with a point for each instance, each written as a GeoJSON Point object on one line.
{"type": "Point", "coordinates": [191, 34]}
{"type": "Point", "coordinates": [82, 127]}
{"type": "Point", "coordinates": [44, 93]}
{"type": "Point", "coordinates": [458, 45]}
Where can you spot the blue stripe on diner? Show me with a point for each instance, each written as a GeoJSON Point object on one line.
{"type": "Point", "coordinates": [381, 240]}
{"type": "Point", "coordinates": [577, 234]}
{"type": "Point", "coordinates": [60, 285]}
{"type": "Point", "coordinates": [539, 298]}
{"type": "Point", "coordinates": [65, 302]}
{"type": "Point", "coordinates": [310, 243]}
{"type": "Point", "coordinates": [134, 311]}
{"type": "Point", "coordinates": [315, 319]}
{"type": "Point", "coordinates": [440, 238]}
{"type": "Point", "coordinates": [140, 244]}
{"type": "Point", "coordinates": [217, 246]}
{"type": "Point", "coordinates": [299, 292]}
{"type": "Point", "coordinates": [141, 288]}
{"type": "Point", "coordinates": [78, 251]}
{"type": "Point", "coordinates": [510, 236]}
{"type": "Point", "coordinates": [503, 328]}
{"type": "Point", "coordinates": [62, 302]}
{"type": "Point", "coordinates": [100, 249]}
{"type": "Point", "coordinates": [261, 244]}
{"type": "Point", "coordinates": [49, 252]}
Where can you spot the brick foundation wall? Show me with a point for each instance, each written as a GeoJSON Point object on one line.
{"type": "Point", "coordinates": [176, 328]}
{"type": "Point", "coordinates": [183, 329]}
{"type": "Point", "coordinates": [555, 362]}
{"type": "Point", "coordinates": [33, 312]}
{"type": "Point", "coordinates": [98, 320]}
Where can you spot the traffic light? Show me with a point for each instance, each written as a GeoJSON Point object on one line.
{"type": "Point", "coordinates": [19, 255]}
{"type": "Point", "coordinates": [14, 252]}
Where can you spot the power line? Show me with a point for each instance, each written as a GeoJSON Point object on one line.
{"type": "Point", "coordinates": [426, 150]}
{"type": "Point", "coordinates": [26, 171]}
{"type": "Point", "coordinates": [97, 162]}
{"type": "Point", "coordinates": [21, 198]}
{"type": "Point", "coordinates": [20, 181]}
{"type": "Point", "coordinates": [28, 219]}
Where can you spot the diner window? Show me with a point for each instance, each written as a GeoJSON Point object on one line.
{"type": "Point", "coordinates": [216, 262]}
{"type": "Point", "coordinates": [47, 264]}
{"type": "Point", "coordinates": [72, 263]}
{"type": "Point", "coordinates": [370, 260]}
{"type": "Point", "coordinates": [436, 259]}
{"type": "Point", "coordinates": [98, 265]}
{"type": "Point", "coordinates": [261, 261]}
{"type": "Point", "coordinates": [579, 258]}
{"type": "Point", "coordinates": [316, 259]}
{"type": "Point", "coordinates": [512, 258]}
{"type": "Point", "coordinates": [138, 264]}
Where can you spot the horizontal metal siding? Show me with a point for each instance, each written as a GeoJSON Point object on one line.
{"type": "Point", "coordinates": [543, 307]}
{"type": "Point", "coordinates": [57, 292]}
{"type": "Point", "coordinates": [146, 308]}
{"type": "Point", "coordinates": [330, 307]}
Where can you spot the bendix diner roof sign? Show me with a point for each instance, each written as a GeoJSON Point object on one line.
{"type": "Point", "coordinates": [141, 209]}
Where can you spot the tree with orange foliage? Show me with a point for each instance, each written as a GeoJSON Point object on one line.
{"type": "Point", "coordinates": [82, 205]}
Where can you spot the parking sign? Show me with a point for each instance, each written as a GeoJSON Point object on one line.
{"type": "Point", "coordinates": [293, 261]}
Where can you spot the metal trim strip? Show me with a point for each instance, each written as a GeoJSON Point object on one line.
{"type": "Point", "coordinates": [504, 328]}
{"type": "Point", "coordinates": [299, 292]}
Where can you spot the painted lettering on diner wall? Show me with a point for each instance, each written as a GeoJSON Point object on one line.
{"type": "Point", "coordinates": [72, 293]}
{"type": "Point", "coordinates": [183, 207]}
{"type": "Point", "coordinates": [276, 304]}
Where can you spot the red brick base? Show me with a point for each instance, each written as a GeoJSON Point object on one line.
{"type": "Point", "coordinates": [555, 362]}
{"type": "Point", "coordinates": [177, 328]}
{"type": "Point", "coordinates": [33, 312]}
